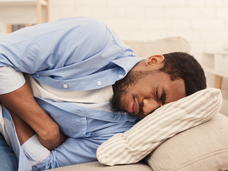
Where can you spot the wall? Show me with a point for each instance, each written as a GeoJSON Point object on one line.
{"type": "Point", "coordinates": [2, 28]}
{"type": "Point", "coordinates": [203, 22]}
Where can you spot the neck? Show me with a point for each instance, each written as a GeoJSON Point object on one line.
{"type": "Point", "coordinates": [140, 66]}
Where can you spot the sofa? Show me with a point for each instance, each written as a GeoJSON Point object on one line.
{"type": "Point", "coordinates": [202, 148]}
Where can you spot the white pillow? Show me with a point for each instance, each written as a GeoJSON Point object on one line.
{"type": "Point", "coordinates": [154, 129]}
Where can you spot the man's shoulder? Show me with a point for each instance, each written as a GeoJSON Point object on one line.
{"type": "Point", "coordinates": [85, 22]}
{"type": "Point", "coordinates": [89, 30]}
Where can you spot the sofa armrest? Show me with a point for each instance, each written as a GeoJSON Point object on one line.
{"type": "Point", "coordinates": [160, 46]}
{"type": "Point", "coordinates": [204, 148]}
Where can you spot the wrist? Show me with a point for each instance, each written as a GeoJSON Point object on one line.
{"type": "Point", "coordinates": [52, 138]}
{"type": "Point", "coordinates": [50, 132]}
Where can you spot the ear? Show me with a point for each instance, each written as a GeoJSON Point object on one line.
{"type": "Point", "coordinates": [155, 59]}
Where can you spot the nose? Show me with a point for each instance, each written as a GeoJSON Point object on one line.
{"type": "Point", "coordinates": [150, 105]}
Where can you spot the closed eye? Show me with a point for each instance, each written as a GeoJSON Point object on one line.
{"type": "Point", "coordinates": [163, 97]}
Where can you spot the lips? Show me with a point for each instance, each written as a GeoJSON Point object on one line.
{"type": "Point", "coordinates": [134, 106]}
{"type": "Point", "coordinates": [131, 107]}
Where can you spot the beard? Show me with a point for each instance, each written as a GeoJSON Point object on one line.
{"type": "Point", "coordinates": [120, 88]}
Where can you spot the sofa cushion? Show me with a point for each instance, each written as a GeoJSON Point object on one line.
{"type": "Point", "coordinates": [203, 148]}
{"type": "Point", "coordinates": [95, 166]}
{"type": "Point", "coordinates": [154, 129]}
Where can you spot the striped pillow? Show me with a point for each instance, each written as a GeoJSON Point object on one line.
{"type": "Point", "coordinates": [164, 123]}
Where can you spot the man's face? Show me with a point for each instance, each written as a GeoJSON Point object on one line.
{"type": "Point", "coordinates": [143, 91]}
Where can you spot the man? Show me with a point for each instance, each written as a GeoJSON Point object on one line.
{"type": "Point", "coordinates": [86, 82]}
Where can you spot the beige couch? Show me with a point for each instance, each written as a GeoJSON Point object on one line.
{"type": "Point", "coordinates": [202, 148]}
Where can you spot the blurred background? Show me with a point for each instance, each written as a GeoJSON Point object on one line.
{"type": "Point", "coordinates": [203, 23]}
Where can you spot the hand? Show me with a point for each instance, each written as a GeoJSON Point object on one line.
{"type": "Point", "coordinates": [24, 132]}
{"type": "Point", "coordinates": [53, 139]}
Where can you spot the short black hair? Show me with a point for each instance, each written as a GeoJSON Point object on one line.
{"type": "Point", "coordinates": [184, 66]}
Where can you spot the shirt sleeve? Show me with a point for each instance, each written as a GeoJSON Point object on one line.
{"type": "Point", "coordinates": [82, 150]}
{"type": "Point", "coordinates": [35, 150]}
{"type": "Point", "coordinates": [72, 151]}
{"type": "Point", "coordinates": [52, 45]}
{"type": "Point", "coordinates": [10, 80]}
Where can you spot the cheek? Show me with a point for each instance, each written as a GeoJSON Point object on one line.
{"type": "Point", "coordinates": [145, 90]}
{"type": "Point", "coordinates": [140, 86]}
{"type": "Point", "coordinates": [174, 97]}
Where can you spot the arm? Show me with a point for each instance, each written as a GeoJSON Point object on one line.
{"type": "Point", "coordinates": [24, 132]}
{"type": "Point", "coordinates": [29, 52]}
{"type": "Point", "coordinates": [22, 102]}
{"type": "Point", "coordinates": [29, 141]}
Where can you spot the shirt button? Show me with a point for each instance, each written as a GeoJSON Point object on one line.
{"type": "Point", "coordinates": [65, 86]}
{"type": "Point", "coordinates": [99, 83]}
{"type": "Point", "coordinates": [120, 76]}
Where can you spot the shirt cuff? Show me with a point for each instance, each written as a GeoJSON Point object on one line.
{"type": "Point", "coordinates": [10, 80]}
{"type": "Point", "coordinates": [34, 150]}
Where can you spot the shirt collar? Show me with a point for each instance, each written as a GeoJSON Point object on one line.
{"type": "Point", "coordinates": [127, 63]}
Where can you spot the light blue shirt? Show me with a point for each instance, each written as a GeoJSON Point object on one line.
{"type": "Point", "coordinates": [70, 54]}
